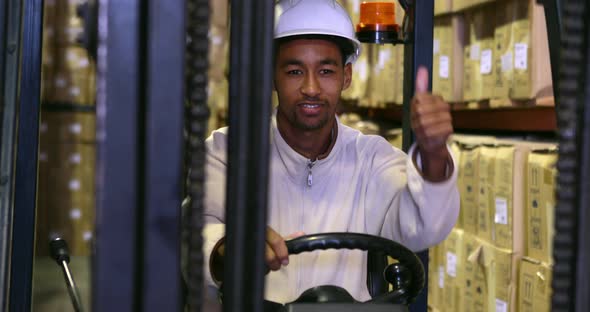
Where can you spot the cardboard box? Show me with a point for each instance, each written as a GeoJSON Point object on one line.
{"type": "Point", "coordinates": [510, 169]}
{"type": "Point", "coordinates": [487, 154]}
{"type": "Point", "coordinates": [219, 13]}
{"type": "Point", "coordinates": [66, 195]}
{"type": "Point", "coordinates": [460, 5]}
{"type": "Point", "coordinates": [449, 40]}
{"type": "Point", "coordinates": [73, 89]}
{"type": "Point", "coordinates": [456, 151]}
{"type": "Point", "coordinates": [534, 287]}
{"type": "Point", "coordinates": [394, 137]}
{"type": "Point", "coordinates": [480, 64]}
{"type": "Point", "coordinates": [479, 283]}
{"type": "Point", "coordinates": [443, 7]}
{"type": "Point", "coordinates": [70, 127]}
{"type": "Point", "coordinates": [218, 53]}
{"type": "Point", "coordinates": [436, 276]}
{"type": "Point", "coordinates": [540, 207]}
{"type": "Point", "coordinates": [504, 53]}
{"type": "Point", "coordinates": [383, 76]}
{"type": "Point", "coordinates": [399, 82]}
{"type": "Point", "coordinates": [470, 63]}
{"type": "Point", "coordinates": [361, 71]}
{"type": "Point", "coordinates": [454, 273]}
{"type": "Point", "coordinates": [505, 280]}
{"type": "Point", "coordinates": [70, 218]}
{"type": "Point", "coordinates": [469, 177]}
{"type": "Point", "coordinates": [532, 66]}
{"type": "Point", "coordinates": [69, 26]}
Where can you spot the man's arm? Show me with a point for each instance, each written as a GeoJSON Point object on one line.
{"type": "Point", "coordinates": [432, 124]}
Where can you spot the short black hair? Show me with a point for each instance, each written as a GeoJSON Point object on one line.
{"type": "Point", "coordinates": [346, 47]}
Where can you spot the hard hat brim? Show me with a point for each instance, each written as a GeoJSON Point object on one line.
{"type": "Point", "coordinates": [322, 32]}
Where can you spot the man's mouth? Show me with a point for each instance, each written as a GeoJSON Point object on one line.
{"type": "Point", "coordinates": [310, 105]}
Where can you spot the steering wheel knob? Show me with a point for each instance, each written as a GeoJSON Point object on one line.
{"type": "Point", "coordinates": [398, 276]}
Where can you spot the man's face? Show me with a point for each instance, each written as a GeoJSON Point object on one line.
{"type": "Point", "coordinates": [309, 77]}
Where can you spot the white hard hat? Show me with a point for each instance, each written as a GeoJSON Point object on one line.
{"type": "Point", "coordinates": [315, 17]}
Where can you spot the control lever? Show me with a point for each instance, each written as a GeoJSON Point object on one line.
{"type": "Point", "coordinates": [59, 251]}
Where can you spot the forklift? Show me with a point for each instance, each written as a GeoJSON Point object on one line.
{"type": "Point", "coordinates": [151, 122]}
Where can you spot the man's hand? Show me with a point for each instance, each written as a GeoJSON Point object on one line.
{"type": "Point", "coordinates": [432, 125]}
{"type": "Point", "coordinates": [276, 250]}
{"type": "Point", "coordinates": [276, 254]}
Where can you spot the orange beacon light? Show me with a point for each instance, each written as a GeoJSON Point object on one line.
{"type": "Point", "coordinates": [377, 23]}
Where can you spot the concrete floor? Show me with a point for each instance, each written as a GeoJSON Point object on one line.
{"type": "Point", "coordinates": [49, 288]}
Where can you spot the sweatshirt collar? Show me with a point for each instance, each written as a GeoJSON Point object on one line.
{"type": "Point", "coordinates": [295, 163]}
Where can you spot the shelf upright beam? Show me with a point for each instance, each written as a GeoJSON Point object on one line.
{"type": "Point", "coordinates": [417, 53]}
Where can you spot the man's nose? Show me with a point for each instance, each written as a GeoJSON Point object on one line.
{"type": "Point", "coordinates": [311, 85]}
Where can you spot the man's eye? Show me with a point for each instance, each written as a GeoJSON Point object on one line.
{"type": "Point", "coordinates": [294, 72]}
{"type": "Point", "coordinates": [326, 71]}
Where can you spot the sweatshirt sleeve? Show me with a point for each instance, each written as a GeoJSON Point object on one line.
{"type": "Point", "coordinates": [408, 209]}
{"type": "Point", "coordinates": [214, 200]}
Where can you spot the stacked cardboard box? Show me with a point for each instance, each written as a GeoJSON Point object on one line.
{"type": "Point", "coordinates": [478, 54]}
{"type": "Point", "coordinates": [532, 68]}
{"type": "Point", "coordinates": [448, 44]}
{"type": "Point", "coordinates": [383, 76]}
{"type": "Point", "coordinates": [443, 7]}
{"type": "Point", "coordinates": [503, 54]}
{"type": "Point", "coordinates": [66, 202]}
{"type": "Point", "coordinates": [505, 228]}
{"type": "Point", "coordinates": [540, 207]}
{"type": "Point", "coordinates": [68, 71]}
{"type": "Point", "coordinates": [218, 86]}
{"type": "Point", "coordinates": [460, 5]}
{"type": "Point", "coordinates": [534, 286]}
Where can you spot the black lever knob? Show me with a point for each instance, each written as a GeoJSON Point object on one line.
{"type": "Point", "coordinates": [58, 248]}
{"type": "Point", "coordinates": [398, 276]}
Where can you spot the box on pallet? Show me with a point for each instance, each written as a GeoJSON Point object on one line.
{"type": "Point", "coordinates": [66, 191]}
{"type": "Point", "coordinates": [486, 171]}
{"type": "Point", "coordinates": [508, 196]}
{"type": "Point", "coordinates": [540, 207]}
{"type": "Point", "coordinates": [504, 53]}
{"type": "Point", "coordinates": [479, 285]}
{"type": "Point", "coordinates": [68, 25]}
{"type": "Point", "coordinates": [505, 278]}
{"type": "Point", "coordinates": [448, 42]}
{"type": "Point", "coordinates": [454, 272]}
{"type": "Point", "coordinates": [460, 5]}
{"type": "Point", "coordinates": [361, 69]}
{"type": "Point", "coordinates": [532, 67]}
{"type": "Point", "coordinates": [469, 176]}
{"type": "Point", "coordinates": [399, 82]}
{"type": "Point", "coordinates": [383, 76]}
{"type": "Point", "coordinates": [70, 127]}
{"type": "Point", "coordinates": [436, 275]}
{"type": "Point", "coordinates": [443, 7]}
{"type": "Point", "coordinates": [534, 286]}
{"type": "Point", "coordinates": [479, 65]}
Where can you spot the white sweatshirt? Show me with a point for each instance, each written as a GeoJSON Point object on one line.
{"type": "Point", "coordinates": [364, 185]}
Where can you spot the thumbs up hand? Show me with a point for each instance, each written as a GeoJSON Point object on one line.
{"type": "Point", "coordinates": [432, 125]}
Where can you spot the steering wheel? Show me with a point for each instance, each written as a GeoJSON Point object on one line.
{"type": "Point", "coordinates": [407, 276]}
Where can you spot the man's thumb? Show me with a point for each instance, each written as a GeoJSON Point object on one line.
{"type": "Point", "coordinates": [422, 80]}
{"type": "Point", "coordinates": [294, 235]}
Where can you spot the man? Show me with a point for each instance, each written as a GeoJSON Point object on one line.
{"type": "Point", "coordinates": [326, 177]}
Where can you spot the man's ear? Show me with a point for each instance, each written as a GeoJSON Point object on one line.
{"type": "Point", "coordinates": [347, 76]}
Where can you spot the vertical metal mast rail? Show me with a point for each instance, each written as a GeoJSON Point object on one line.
{"type": "Point", "coordinates": [251, 58]}
{"type": "Point", "coordinates": [9, 60]}
{"type": "Point", "coordinates": [136, 264]}
{"type": "Point", "coordinates": [197, 114]}
{"type": "Point", "coordinates": [572, 219]}
{"type": "Point", "coordinates": [417, 53]}
{"type": "Point", "coordinates": [27, 142]}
